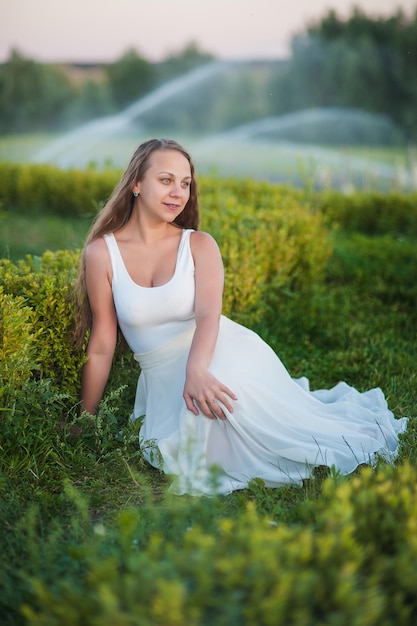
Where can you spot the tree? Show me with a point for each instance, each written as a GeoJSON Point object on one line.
{"type": "Point", "coordinates": [129, 78]}
{"type": "Point", "coordinates": [184, 61]}
{"type": "Point", "coordinates": [33, 96]}
{"type": "Point", "coordinates": [360, 62]}
{"type": "Point", "coordinates": [92, 100]}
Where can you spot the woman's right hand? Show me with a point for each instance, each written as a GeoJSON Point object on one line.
{"type": "Point", "coordinates": [203, 392]}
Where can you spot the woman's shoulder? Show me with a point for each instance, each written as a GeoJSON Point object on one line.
{"type": "Point", "coordinates": [201, 238]}
{"type": "Point", "coordinates": [97, 250]}
{"type": "Point", "coordinates": [203, 244]}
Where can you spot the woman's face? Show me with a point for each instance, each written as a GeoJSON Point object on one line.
{"type": "Point", "coordinates": [165, 188]}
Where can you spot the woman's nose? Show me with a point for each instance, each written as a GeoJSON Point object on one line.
{"type": "Point", "coordinates": [177, 190]}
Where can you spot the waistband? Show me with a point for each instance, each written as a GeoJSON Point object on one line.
{"type": "Point", "coordinates": [168, 352]}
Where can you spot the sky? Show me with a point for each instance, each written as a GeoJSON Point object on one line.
{"type": "Point", "coordinates": [92, 31]}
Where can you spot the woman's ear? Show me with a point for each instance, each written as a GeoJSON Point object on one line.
{"type": "Point", "coordinates": [136, 189]}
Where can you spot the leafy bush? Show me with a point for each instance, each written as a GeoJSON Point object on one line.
{"type": "Point", "coordinates": [17, 342]}
{"type": "Point", "coordinates": [9, 186]}
{"type": "Point", "coordinates": [270, 243]}
{"type": "Point", "coordinates": [34, 188]}
{"type": "Point", "coordinates": [272, 248]}
{"type": "Point", "coordinates": [370, 212]}
{"type": "Point", "coordinates": [44, 285]}
{"type": "Point", "coordinates": [269, 239]}
{"type": "Point", "coordinates": [362, 260]}
{"type": "Point", "coordinates": [181, 563]}
{"type": "Point", "coordinates": [33, 454]}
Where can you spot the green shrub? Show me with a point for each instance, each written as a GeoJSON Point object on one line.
{"type": "Point", "coordinates": [378, 511]}
{"type": "Point", "coordinates": [34, 188]}
{"type": "Point", "coordinates": [272, 248]}
{"type": "Point", "coordinates": [9, 186]}
{"type": "Point", "coordinates": [270, 242]}
{"type": "Point", "coordinates": [269, 239]}
{"type": "Point", "coordinates": [383, 267]}
{"type": "Point", "coordinates": [371, 213]}
{"type": "Point", "coordinates": [355, 564]}
{"type": "Point", "coordinates": [44, 283]}
{"type": "Point", "coordinates": [33, 454]}
{"type": "Point", "coordinates": [17, 342]}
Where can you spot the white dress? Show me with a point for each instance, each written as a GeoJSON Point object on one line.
{"type": "Point", "coordinates": [279, 429]}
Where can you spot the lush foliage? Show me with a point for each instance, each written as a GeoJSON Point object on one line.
{"type": "Point", "coordinates": [34, 189]}
{"type": "Point", "coordinates": [360, 62]}
{"type": "Point", "coordinates": [371, 213]}
{"type": "Point", "coordinates": [279, 246]}
{"type": "Point", "coordinates": [32, 95]}
{"type": "Point", "coordinates": [364, 63]}
{"type": "Point", "coordinates": [351, 561]}
{"type": "Point", "coordinates": [90, 534]}
{"type": "Point", "coordinates": [41, 286]}
{"type": "Point", "coordinates": [36, 96]}
{"type": "Point", "coordinates": [44, 188]}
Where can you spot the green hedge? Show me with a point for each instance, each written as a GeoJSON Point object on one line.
{"type": "Point", "coordinates": [36, 316]}
{"type": "Point", "coordinates": [370, 212]}
{"type": "Point", "coordinates": [34, 188]}
{"type": "Point", "coordinates": [352, 562]}
{"type": "Point", "coordinates": [384, 267]}
{"type": "Point", "coordinates": [18, 338]}
{"type": "Point", "coordinates": [270, 242]}
{"type": "Point", "coordinates": [44, 188]}
{"type": "Point", "coordinates": [276, 248]}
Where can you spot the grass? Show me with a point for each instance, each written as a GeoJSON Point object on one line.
{"type": "Point", "coordinates": [24, 234]}
{"type": "Point", "coordinates": [21, 148]}
{"type": "Point", "coordinates": [63, 493]}
{"type": "Point", "coordinates": [343, 167]}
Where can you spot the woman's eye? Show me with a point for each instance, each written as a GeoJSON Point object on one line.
{"type": "Point", "coordinates": [166, 180]}
{"type": "Point", "coordinates": [185, 184]}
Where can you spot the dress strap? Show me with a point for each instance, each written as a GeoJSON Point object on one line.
{"type": "Point", "coordinates": [114, 252]}
{"type": "Point", "coordinates": [183, 254]}
{"type": "Point", "coordinates": [185, 241]}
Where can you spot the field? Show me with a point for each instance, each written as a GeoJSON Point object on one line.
{"type": "Point", "coordinates": [347, 167]}
{"type": "Point", "coordinates": [91, 534]}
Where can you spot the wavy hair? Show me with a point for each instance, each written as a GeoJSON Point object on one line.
{"type": "Point", "coordinates": [116, 213]}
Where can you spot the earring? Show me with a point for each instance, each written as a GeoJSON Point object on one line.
{"type": "Point", "coordinates": [136, 193]}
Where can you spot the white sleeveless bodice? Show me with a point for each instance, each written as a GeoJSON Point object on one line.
{"type": "Point", "coordinates": [149, 317]}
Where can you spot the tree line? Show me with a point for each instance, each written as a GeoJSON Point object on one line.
{"type": "Point", "coordinates": [362, 62]}
{"type": "Point", "coordinates": [36, 96]}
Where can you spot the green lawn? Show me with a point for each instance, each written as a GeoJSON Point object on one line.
{"type": "Point", "coordinates": [23, 234]}
{"type": "Point", "coordinates": [345, 167]}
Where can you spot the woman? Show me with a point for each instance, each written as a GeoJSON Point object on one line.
{"type": "Point", "coordinates": [219, 407]}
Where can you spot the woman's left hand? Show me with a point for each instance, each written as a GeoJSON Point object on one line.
{"type": "Point", "coordinates": [203, 391]}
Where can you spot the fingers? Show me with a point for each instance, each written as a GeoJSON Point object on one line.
{"type": "Point", "coordinates": [190, 404]}
{"type": "Point", "coordinates": [223, 398]}
{"type": "Point", "coordinates": [215, 410]}
{"type": "Point", "coordinates": [210, 409]}
{"type": "Point", "coordinates": [213, 402]}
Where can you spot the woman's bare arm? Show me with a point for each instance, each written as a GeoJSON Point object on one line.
{"type": "Point", "coordinates": [202, 390]}
{"type": "Point", "coordinates": [103, 335]}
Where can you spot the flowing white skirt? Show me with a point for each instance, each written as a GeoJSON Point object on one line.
{"type": "Point", "coordinates": [279, 429]}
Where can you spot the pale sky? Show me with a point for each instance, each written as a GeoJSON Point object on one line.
{"type": "Point", "coordinates": [102, 30]}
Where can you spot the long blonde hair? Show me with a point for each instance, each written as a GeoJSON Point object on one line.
{"type": "Point", "coordinates": [116, 213]}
